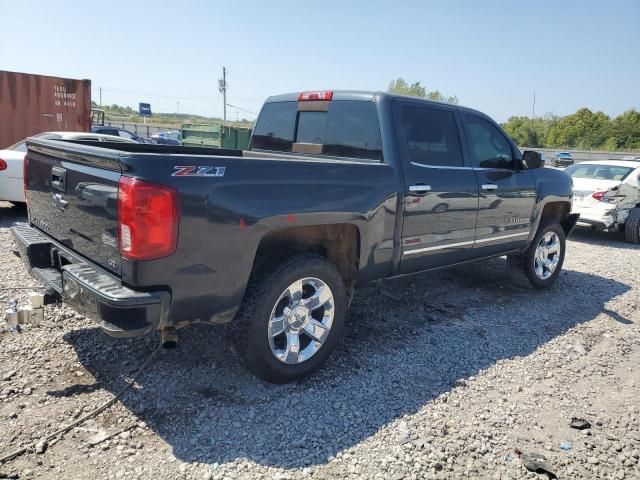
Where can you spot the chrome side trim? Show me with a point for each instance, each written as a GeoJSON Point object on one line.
{"type": "Point", "coordinates": [491, 239]}
{"type": "Point", "coordinates": [440, 167]}
{"type": "Point", "coordinates": [438, 247]}
{"type": "Point", "coordinates": [461, 244]}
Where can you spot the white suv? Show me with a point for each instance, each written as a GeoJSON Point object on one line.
{"type": "Point", "coordinates": [606, 194]}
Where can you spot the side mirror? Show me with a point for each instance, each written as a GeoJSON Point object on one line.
{"type": "Point", "coordinates": [532, 159]}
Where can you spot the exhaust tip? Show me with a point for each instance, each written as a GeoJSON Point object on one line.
{"type": "Point", "coordinates": [169, 337]}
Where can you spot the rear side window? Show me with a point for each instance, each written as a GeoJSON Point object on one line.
{"type": "Point", "coordinates": [489, 147]}
{"type": "Point", "coordinates": [125, 134]}
{"type": "Point", "coordinates": [346, 129]}
{"type": "Point", "coordinates": [432, 136]}
{"type": "Point", "coordinates": [353, 130]}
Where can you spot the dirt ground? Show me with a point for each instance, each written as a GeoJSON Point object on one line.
{"type": "Point", "coordinates": [446, 375]}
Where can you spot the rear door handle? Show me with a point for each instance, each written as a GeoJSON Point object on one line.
{"type": "Point", "coordinates": [489, 187]}
{"type": "Point", "coordinates": [420, 188]}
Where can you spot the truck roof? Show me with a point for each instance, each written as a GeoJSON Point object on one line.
{"type": "Point", "coordinates": [361, 95]}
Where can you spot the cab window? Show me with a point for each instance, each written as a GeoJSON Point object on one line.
{"type": "Point", "coordinates": [346, 129]}
{"type": "Point", "coordinates": [431, 136]}
{"type": "Point", "coordinates": [489, 147]}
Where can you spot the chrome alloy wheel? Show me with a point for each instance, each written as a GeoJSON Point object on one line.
{"type": "Point", "coordinates": [301, 320]}
{"type": "Point", "coordinates": [547, 255]}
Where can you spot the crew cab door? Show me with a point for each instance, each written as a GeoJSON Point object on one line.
{"type": "Point", "coordinates": [507, 190]}
{"type": "Point", "coordinates": [441, 192]}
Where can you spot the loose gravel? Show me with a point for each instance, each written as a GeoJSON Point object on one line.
{"type": "Point", "coordinates": [447, 375]}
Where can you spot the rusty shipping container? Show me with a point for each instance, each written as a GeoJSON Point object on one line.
{"type": "Point", "coordinates": [31, 104]}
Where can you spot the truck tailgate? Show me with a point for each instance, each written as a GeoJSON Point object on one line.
{"type": "Point", "coordinates": [72, 196]}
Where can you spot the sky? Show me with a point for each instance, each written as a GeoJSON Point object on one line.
{"type": "Point", "coordinates": [492, 54]}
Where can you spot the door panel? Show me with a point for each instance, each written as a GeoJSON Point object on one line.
{"type": "Point", "coordinates": [441, 193]}
{"type": "Point", "coordinates": [507, 191]}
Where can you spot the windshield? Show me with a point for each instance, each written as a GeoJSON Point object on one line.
{"type": "Point", "coordinates": [21, 146]}
{"type": "Point", "coordinates": [599, 172]}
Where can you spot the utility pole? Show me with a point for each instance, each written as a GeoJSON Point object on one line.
{"type": "Point", "coordinates": [100, 96]}
{"type": "Point", "coordinates": [178, 107]}
{"type": "Point", "coordinates": [533, 108]}
{"type": "Point", "coordinates": [222, 88]}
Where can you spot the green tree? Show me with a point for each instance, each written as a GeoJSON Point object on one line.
{"type": "Point", "coordinates": [583, 129]}
{"type": "Point", "coordinates": [625, 130]}
{"type": "Point", "coordinates": [528, 133]}
{"type": "Point", "coordinates": [402, 87]}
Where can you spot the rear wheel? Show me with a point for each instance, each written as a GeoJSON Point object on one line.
{"type": "Point", "coordinates": [542, 261]}
{"type": "Point", "coordinates": [632, 226]}
{"type": "Point", "coordinates": [291, 319]}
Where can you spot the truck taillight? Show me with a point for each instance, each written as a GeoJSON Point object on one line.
{"type": "Point", "coordinates": [148, 219]}
{"type": "Point", "coordinates": [3, 165]}
{"type": "Point", "coordinates": [310, 96]}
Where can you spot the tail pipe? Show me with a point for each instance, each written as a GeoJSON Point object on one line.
{"type": "Point", "coordinates": [169, 337]}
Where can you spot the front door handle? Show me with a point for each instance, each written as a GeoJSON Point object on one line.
{"type": "Point", "coordinates": [420, 188]}
{"type": "Point", "coordinates": [490, 187]}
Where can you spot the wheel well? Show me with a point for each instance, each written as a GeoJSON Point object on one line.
{"type": "Point", "coordinates": [557, 210]}
{"type": "Point", "coordinates": [339, 244]}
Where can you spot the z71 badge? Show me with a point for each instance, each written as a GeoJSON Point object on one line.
{"type": "Point", "coordinates": [198, 171]}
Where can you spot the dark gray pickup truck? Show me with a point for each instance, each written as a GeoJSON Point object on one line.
{"type": "Point", "coordinates": [336, 191]}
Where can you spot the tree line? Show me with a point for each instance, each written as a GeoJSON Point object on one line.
{"type": "Point", "coordinates": [583, 129]}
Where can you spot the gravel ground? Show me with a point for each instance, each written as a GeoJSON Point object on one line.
{"type": "Point", "coordinates": [446, 381]}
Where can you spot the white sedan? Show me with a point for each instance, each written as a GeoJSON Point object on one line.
{"type": "Point", "coordinates": [606, 194]}
{"type": "Point", "coordinates": [12, 160]}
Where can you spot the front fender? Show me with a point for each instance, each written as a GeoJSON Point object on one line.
{"type": "Point", "coordinates": [554, 191]}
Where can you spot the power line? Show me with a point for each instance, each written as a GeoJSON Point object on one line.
{"type": "Point", "coordinates": [159, 95]}
{"type": "Point", "coordinates": [242, 109]}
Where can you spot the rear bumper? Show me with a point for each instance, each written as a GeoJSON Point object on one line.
{"type": "Point", "coordinates": [90, 290]}
{"type": "Point", "coordinates": [599, 218]}
{"type": "Point", "coordinates": [11, 189]}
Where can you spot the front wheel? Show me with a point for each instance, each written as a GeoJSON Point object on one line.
{"type": "Point", "coordinates": [291, 319]}
{"type": "Point", "coordinates": [542, 261]}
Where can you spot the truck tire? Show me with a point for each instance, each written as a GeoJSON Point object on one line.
{"type": "Point", "coordinates": [542, 262]}
{"type": "Point", "coordinates": [291, 319]}
{"type": "Point", "coordinates": [632, 226]}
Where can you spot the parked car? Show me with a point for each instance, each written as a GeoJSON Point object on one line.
{"type": "Point", "coordinates": [120, 132]}
{"type": "Point", "coordinates": [12, 158]}
{"type": "Point", "coordinates": [172, 137]}
{"type": "Point", "coordinates": [274, 240]}
{"type": "Point", "coordinates": [606, 194]}
{"type": "Point", "coordinates": [562, 159]}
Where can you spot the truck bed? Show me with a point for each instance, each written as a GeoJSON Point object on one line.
{"type": "Point", "coordinates": [228, 201]}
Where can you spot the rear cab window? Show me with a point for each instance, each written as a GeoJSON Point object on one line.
{"type": "Point", "coordinates": [339, 128]}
